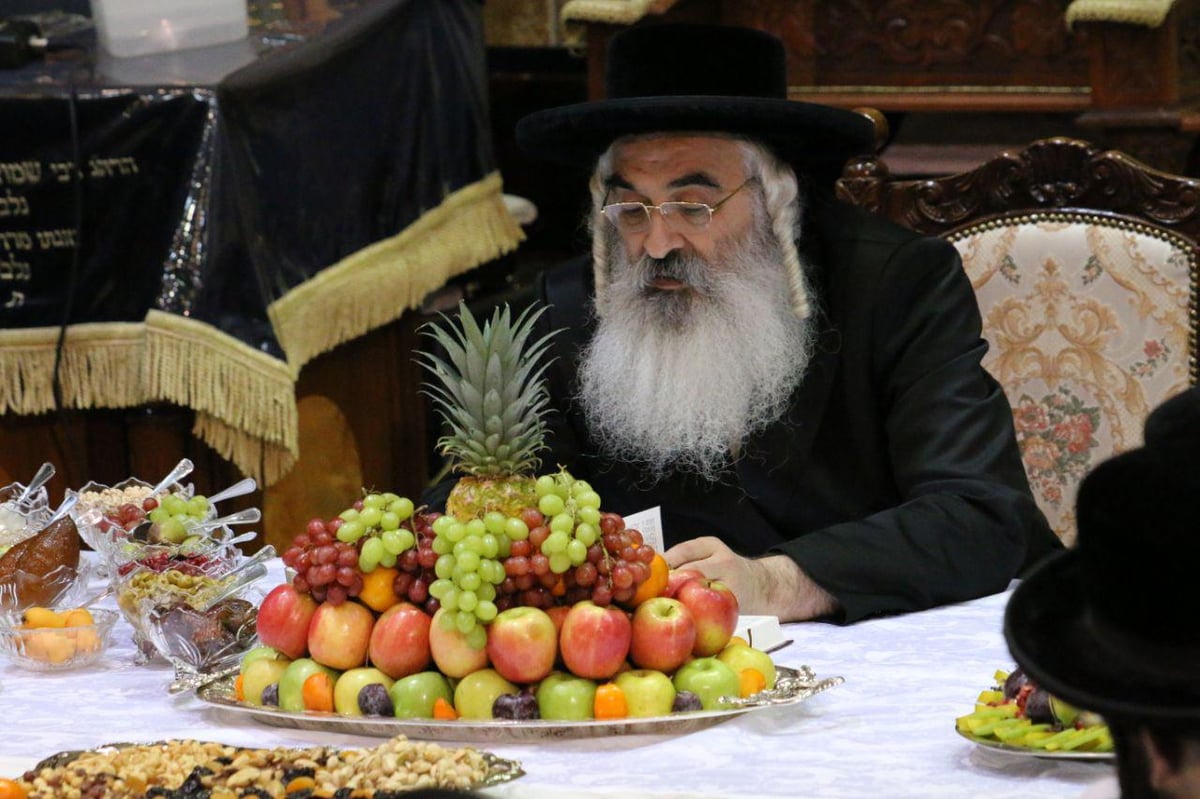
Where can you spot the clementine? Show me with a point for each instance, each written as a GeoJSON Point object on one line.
{"type": "Point", "coordinates": [655, 584]}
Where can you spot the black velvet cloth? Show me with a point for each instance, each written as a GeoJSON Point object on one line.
{"type": "Point", "coordinates": [215, 181]}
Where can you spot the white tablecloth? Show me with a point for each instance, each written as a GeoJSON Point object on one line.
{"type": "Point", "coordinates": [888, 732]}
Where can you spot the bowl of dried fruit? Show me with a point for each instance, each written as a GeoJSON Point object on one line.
{"type": "Point", "coordinates": [193, 611]}
{"type": "Point", "coordinates": [56, 639]}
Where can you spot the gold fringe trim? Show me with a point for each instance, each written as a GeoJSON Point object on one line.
{"type": "Point", "coordinates": [1150, 13]}
{"type": "Point", "coordinates": [101, 367]}
{"type": "Point", "coordinates": [245, 400]}
{"type": "Point", "coordinates": [377, 284]}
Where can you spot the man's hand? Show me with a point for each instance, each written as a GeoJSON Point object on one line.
{"type": "Point", "coordinates": [773, 586]}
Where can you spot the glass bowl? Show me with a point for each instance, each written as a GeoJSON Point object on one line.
{"type": "Point", "coordinates": [106, 515]}
{"type": "Point", "coordinates": [56, 648]}
{"type": "Point", "coordinates": [64, 586]}
{"type": "Point", "coordinates": [19, 520]}
{"type": "Point", "coordinates": [163, 588]}
{"type": "Point", "coordinates": [203, 643]}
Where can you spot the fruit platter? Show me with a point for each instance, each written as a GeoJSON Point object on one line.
{"type": "Point", "coordinates": [525, 610]}
{"type": "Point", "coordinates": [1018, 716]}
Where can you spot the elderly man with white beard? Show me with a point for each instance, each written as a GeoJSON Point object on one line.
{"type": "Point", "coordinates": [794, 383]}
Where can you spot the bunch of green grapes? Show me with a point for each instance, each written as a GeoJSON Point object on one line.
{"type": "Point", "coordinates": [571, 524]}
{"type": "Point", "coordinates": [376, 525]}
{"type": "Point", "coordinates": [468, 569]}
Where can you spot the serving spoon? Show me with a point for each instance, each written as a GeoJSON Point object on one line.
{"type": "Point", "coordinates": [141, 532]}
{"type": "Point", "coordinates": [44, 473]}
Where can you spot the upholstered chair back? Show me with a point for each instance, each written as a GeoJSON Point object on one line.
{"type": "Point", "coordinates": [1085, 264]}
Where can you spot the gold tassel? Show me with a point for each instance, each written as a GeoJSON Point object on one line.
{"type": "Point", "coordinates": [244, 399]}
{"type": "Point", "coordinates": [377, 284]}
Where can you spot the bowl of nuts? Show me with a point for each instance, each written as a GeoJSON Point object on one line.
{"type": "Point", "coordinates": [55, 639]}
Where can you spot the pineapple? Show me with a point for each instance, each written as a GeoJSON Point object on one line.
{"type": "Point", "coordinates": [492, 398]}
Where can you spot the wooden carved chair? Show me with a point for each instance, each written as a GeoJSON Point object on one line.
{"type": "Point", "coordinates": [1086, 264]}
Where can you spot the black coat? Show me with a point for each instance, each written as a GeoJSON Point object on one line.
{"type": "Point", "coordinates": [895, 481]}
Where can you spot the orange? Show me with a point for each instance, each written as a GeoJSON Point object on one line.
{"type": "Point", "coordinates": [239, 688]}
{"type": "Point", "coordinates": [750, 681]}
{"type": "Point", "coordinates": [317, 692]}
{"type": "Point", "coordinates": [655, 584]}
{"type": "Point", "coordinates": [11, 789]}
{"type": "Point", "coordinates": [378, 591]}
{"type": "Point", "coordinates": [610, 702]}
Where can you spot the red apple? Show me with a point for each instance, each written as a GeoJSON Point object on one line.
{"type": "Point", "coordinates": [714, 608]}
{"type": "Point", "coordinates": [283, 619]}
{"type": "Point", "coordinates": [522, 644]}
{"type": "Point", "coordinates": [664, 634]}
{"type": "Point", "coordinates": [453, 654]}
{"type": "Point", "coordinates": [595, 640]}
{"type": "Point", "coordinates": [339, 635]}
{"type": "Point", "coordinates": [677, 577]}
{"type": "Point", "coordinates": [399, 643]}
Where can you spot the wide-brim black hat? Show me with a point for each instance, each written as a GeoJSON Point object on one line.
{"type": "Point", "coordinates": [702, 78]}
{"type": "Point", "coordinates": [1113, 625]}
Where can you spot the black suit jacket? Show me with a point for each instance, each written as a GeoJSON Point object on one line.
{"type": "Point", "coordinates": [894, 481]}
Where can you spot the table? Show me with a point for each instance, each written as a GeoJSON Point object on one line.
{"type": "Point", "coordinates": [887, 732]}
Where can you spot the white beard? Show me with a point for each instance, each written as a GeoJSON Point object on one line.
{"type": "Point", "coordinates": [677, 381]}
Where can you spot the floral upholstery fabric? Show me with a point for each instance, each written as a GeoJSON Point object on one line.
{"type": "Point", "coordinates": [1088, 322]}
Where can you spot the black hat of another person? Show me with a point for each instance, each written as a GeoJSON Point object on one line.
{"type": "Point", "coordinates": [1113, 625]}
{"type": "Point", "coordinates": [664, 78]}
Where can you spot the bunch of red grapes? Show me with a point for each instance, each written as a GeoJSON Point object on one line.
{"type": "Point", "coordinates": [616, 565]}
{"type": "Point", "coordinates": [327, 568]}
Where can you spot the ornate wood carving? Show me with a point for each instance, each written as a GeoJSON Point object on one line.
{"type": "Point", "coordinates": [946, 32]}
{"type": "Point", "coordinates": [1049, 174]}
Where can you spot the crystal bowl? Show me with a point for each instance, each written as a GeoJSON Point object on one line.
{"type": "Point", "coordinates": [56, 648]}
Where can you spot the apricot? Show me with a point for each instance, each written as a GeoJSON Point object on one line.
{"type": "Point", "coordinates": [38, 617]}
{"type": "Point", "coordinates": [78, 617]}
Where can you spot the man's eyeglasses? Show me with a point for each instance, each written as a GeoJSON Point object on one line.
{"type": "Point", "coordinates": [681, 217]}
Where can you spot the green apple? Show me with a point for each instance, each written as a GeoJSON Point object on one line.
{"type": "Point", "coordinates": [291, 684]}
{"type": "Point", "coordinates": [476, 692]}
{"type": "Point", "coordinates": [743, 656]}
{"type": "Point", "coordinates": [648, 692]}
{"type": "Point", "coordinates": [413, 696]}
{"type": "Point", "coordinates": [258, 675]}
{"type": "Point", "coordinates": [564, 697]}
{"type": "Point", "coordinates": [345, 690]}
{"type": "Point", "coordinates": [261, 652]}
{"type": "Point", "coordinates": [709, 679]}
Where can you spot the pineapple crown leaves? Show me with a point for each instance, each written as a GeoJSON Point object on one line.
{"type": "Point", "coordinates": [489, 390]}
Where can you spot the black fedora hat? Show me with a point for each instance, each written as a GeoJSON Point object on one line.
{"type": "Point", "coordinates": [1113, 625]}
{"type": "Point", "coordinates": [702, 78]}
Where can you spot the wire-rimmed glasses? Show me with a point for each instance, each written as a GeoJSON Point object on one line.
{"type": "Point", "coordinates": [682, 217]}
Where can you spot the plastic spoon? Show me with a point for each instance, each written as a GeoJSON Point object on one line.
{"type": "Point", "coordinates": [67, 505]}
{"type": "Point", "coordinates": [44, 473]}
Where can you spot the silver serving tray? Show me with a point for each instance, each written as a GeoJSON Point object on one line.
{"type": "Point", "coordinates": [793, 685]}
